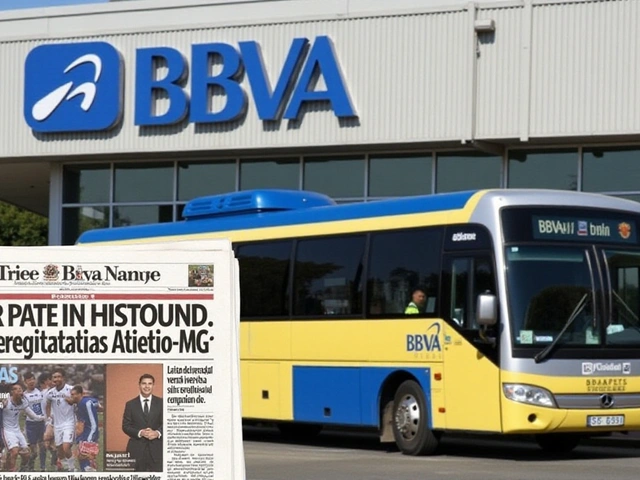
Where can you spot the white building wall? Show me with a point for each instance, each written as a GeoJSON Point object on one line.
{"type": "Point", "coordinates": [501, 78]}
{"type": "Point", "coordinates": [585, 69]}
{"type": "Point", "coordinates": [408, 76]}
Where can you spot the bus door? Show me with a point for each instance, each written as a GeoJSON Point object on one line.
{"type": "Point", "coordinates": [471, 374]}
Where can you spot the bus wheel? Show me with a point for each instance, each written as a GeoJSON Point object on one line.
{"type": "Point", "coordinates": [410, 422]}
{"type": "Point", "coordinates": [299, 431]}
{"type": "Point", "coordinates": [558, 442]}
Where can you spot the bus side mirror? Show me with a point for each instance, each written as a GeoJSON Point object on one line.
{"type": "Point", "coordinates": [487, 310]}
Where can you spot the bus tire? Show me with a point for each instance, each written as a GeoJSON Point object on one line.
{"type": "Point", "coordinates": [410, 422]}
{"type": "Point", "coordinates": [558, 443]}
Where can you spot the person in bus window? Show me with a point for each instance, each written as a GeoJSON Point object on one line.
{"type": "Point", "coordinates": [418, 301]}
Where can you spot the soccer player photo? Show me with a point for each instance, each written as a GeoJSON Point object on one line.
{"type": "Point", "coordinates": [52, 418]}
{"type": "Point", "coordinates": [87, 428]}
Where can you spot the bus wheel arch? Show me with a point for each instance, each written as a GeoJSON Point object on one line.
{"type": "Point", "coordinates": [404, 415]}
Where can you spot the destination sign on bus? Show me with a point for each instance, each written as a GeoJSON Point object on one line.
{"type": "Point", "coordinates": [583, 229]}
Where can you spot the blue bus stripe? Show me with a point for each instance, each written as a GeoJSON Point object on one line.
{"type": "Point", "coordinates": [346, 395]}
{"type": "Point", "coordinates": [381, 208]}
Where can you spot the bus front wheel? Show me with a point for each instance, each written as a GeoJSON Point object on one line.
{"type": "Point", "coordinates": [410, 422]}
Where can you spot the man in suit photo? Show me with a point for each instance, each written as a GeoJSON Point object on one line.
{"type": "Point", "coordinates": [142, 422]}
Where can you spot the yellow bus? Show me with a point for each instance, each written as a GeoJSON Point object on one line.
{"type": "Point", "coordinates": [497, 311]}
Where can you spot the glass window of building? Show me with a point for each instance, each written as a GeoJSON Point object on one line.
{"type": "Point", "coordinates": [76, 220]}
{"type": "Point", "coordinates": [281, 173]}
{"type": "Point", "coordinates": [398, 175]}
{"type": "Point", "coordinates": [152, 182]}
{"type": "Point", "coordinates": [557, 169]}
{"type": "Point", "coordinates": [467, 171]}
{"type": "Point", "coordinates": [611, 170]}
{"type": "Point", "coordinates": [86, 183]}
{"type": "Point", "coordinates": [140, 214]}
{"type": "Point", "coordinates": [199, 179]}
{"type": "Point", "coordinates": [341, 177]}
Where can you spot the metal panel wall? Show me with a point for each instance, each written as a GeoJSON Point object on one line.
{"type": "Point", "coordinates": [409, 77]}
{"type": "Point", "coordinates": [414, 71]}
{"type": "Point", "coordinates": [585, 68]}
{"type": "Point", "coordinates": [499, 78]}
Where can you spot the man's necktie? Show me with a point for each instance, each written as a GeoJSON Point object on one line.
{"type": "Point", "coordinates": [146, 406]}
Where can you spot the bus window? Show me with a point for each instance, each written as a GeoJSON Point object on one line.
{"type": "Point", "coordinates": [328, 276]}
{"type": "Point", "coordinates": [398, 262]}
{"type": "Point", "coordinates": [624, 275]}
{"type": "Point", "coordinates": [264, 278]}
{"type": "Point", "coordinates": [467, 277]}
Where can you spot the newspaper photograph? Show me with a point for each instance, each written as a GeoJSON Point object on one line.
{"type": "Point", "coordinates": [120, 363]}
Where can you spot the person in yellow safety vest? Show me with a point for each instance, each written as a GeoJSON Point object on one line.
{"type": "Point", "coordinates": [418, 301]}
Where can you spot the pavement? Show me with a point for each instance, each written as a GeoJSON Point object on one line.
{"type": "Point", "coordinates": [613, 440]}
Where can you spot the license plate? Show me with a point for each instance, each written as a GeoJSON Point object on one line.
{"type": "Point", "coordinates": [605, 420]}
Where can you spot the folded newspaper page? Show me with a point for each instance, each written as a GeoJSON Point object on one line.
{"type": "Point", "coordinates": [120, 363]}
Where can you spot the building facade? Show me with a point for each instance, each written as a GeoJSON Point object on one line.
{"type": "Point", "coordinates": [118, 114]}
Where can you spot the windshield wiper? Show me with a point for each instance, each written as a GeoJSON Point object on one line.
{"type": "Point", "coordinates": [542, 355]}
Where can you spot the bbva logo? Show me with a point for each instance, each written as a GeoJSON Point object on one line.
{"type": "Point", "coordinates": [73, 87]}
{"type": "Point", "coordinates": [429, 342]}
{"type": "Point", "coordinates": [79, 86]}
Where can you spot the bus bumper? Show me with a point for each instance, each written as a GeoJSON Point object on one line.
{"type": "Point", "coordinates": [524, 418]}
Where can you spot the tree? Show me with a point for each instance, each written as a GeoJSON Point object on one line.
{"type": "Point", "coordinates": [20, 227]}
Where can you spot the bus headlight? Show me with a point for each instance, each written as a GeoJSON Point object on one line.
{"type": "Point", "coordinates": [528, 394]}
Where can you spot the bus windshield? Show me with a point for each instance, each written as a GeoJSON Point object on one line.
{"type": "Point", "coordinates": [552, 292]}
{"type": "Point", "coordinates": [547, 284]}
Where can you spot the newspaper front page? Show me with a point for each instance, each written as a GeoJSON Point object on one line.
{"type": "Point", "coordinates": [120, 363]}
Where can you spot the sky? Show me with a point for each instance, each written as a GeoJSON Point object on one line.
{"type": "Point", "coordinates": [14, 4]}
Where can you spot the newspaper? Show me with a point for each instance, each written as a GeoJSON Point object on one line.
{"type": "Point", "coordinates": [104, 328]}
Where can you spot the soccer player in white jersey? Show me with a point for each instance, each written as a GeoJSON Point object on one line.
{"type": "Point", "coordinates": [35, 428]}
{"type": "Point", "coordinates": [64, 418]}
{"type": "Point", "coordinates": [44, 381]}
{"type": "Point", "coordinates": [13, 436]}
